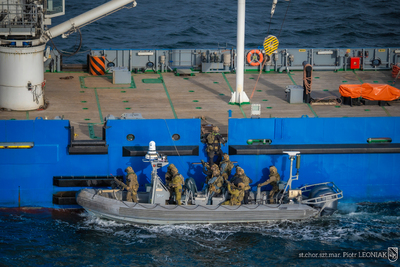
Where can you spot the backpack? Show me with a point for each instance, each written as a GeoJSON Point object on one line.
{"type": "Point", "coordinates": [210, 138]}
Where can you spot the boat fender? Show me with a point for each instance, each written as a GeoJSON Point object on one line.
{"type": "Point", "coordinates": [252, 59]}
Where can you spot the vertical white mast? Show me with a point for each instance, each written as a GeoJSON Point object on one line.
{"type": "Point", "coordinates": [240, 97]}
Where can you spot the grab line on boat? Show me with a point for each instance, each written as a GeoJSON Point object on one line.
{"type": "Point", "coordinates": [169, 98]}
{"type": "Point", "coordinates": [230, 88]}
{"type": "Point", "coordinates": [312, 110]}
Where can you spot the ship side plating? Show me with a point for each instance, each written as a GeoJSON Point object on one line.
{"type": "Point", "coordinates": [37, 168]}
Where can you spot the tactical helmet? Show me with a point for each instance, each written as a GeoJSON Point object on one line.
{"type": "Point", "coordinates": [215, 129]}
{"type": "Point", "coordinates": [129, 169]}
{"type": "Point", "coordinates": [171, 166]}
{"type": "Point", "coordinates": [273, 170]}
{"type": "Point", "coordinates": [214, 167]}
{"type": "Point", "coordinates": [239, 170]}
{"type": "Point", "coordinates": [226, 156]}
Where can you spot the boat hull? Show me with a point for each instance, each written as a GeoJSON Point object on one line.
{"type": "Point", "coordinates": [143, 213]}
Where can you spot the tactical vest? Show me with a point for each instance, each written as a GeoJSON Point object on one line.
{"type": "Point", "coordinates": [212, 142]}
{"type": "Point", "coordinates": [226, 167]}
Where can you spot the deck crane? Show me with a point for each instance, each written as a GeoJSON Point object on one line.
{"type": "Point", "coordinates": [23, 38]}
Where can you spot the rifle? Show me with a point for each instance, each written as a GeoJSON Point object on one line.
{"type": "Point", "coordinates": [119, 183]}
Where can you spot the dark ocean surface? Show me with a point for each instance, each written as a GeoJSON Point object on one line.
{"type": "Point", "coordinates": [66, 238]}
{"type": "Point", "coordinates": [41, 237]}
{"type": "Point", "coordinates": [157, 24]}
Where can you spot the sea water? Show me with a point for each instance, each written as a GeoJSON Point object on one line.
{"type": "Point", "coordinates": [45, 237]}
{"type": "Point", "coordinates": [190, 24]}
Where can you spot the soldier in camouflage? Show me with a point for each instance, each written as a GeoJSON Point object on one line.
{"type": "Point", "coordinates": [237, 194]}
{"type": "Point", "coordinates": [168, 176]}
{"type": "Point", "coordinates": [131, 185]}
{"type": "Point", "coordinates": [226, 167]}
{"type": "Point", "coordinates": [214, 140]}
{"type": "Point", "coordinates": [240, 176]}
{"type": "Point", "coordinates": [208, 171]}
{"type": "Point", "coordinates": [174, 182]}
{"type": "Point", "coordinates": [274, 179]}
{"type": "Point", "coordinates": [215, 185]}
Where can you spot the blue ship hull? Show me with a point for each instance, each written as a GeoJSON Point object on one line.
{"type": "Point", "coordinates": [333, 149]}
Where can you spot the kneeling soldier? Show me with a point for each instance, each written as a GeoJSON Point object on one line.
{"type": "Point", "coordinates": [237, 195]}
{"type": "Point", "coordinates": [214, 185]}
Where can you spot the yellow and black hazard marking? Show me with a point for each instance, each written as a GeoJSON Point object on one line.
{"type": "Point", "coordinates": [270, 44]}
{"type": "Point", "coordinates": [97, 65]}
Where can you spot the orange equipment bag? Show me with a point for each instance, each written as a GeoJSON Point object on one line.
{"type": "Point", "coordinates": [370, 91]}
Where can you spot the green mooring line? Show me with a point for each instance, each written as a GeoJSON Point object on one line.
{"type": "Point", "coordinates": [361, 81]}
{"type": "Point", "coordinates": [312, 110]}
{"type": "Point", "coordinates": [27, 115]}
{"type": "Point", "coordinates": [98, 106]}
{"type": "Point", "coordinates": [226, 80]}
{"type": "Point", "coordinates": [91, 131]}
{"type": "Point", "coordinates": [387, 112]}
{"type": "Point", "coordinates": [169, 98]}
{"type": "Point", "coordinates": [290, 76]}
{"type": "Point", "coordinates": [315, 114]}
{"type": "Point", "coordinates": [230, 88]}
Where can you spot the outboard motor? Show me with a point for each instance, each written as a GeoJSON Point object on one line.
{"type": "Point", "coordinates": [323, 192]}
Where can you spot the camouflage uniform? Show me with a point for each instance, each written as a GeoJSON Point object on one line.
{"type": "Point", "coordinates": [214, 185]}
{"type": "Point", "coordinates": [132, 185]}
{"type": "Point", "coordinates": [226, 167]}
{"type": "Point", "coordinates": [274, 179]}
{"type": "Point", "coordinates": [237, 195]}
{"type": "Point", "coordinates": [214, 140]}
{"type": "Point", "coordinates": [174, 181]}
{"type": "Point", "coordinates": [240, 176]}
{"type": "Point", "coordinates": [170, 173]}
{"type": "Point", "coordinates": [209, 171]}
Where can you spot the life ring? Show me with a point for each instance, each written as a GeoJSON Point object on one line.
{"type": "Point", "coordinates": [252, 58]}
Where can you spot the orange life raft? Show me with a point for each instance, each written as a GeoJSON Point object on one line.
{"type": "Point", "coordinates": [370, 91]}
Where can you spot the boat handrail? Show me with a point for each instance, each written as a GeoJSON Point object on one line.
{"type": "Point", "coordinates": [332, 185]}
{"type": "Point", "coordinates": [323, 199]}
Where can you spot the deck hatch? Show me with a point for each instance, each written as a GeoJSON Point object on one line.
{"type": "Point", "coordinates": [92, 146]}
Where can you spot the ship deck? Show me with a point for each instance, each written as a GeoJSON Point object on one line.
{"type": "Point", "coordinates": [86, 100]}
